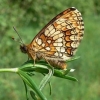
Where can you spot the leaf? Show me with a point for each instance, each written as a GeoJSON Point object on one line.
{"type": "Point", "coordinates": [46, 79]}
{"type": "Point", "coordinates": [42, 67]}
{"type": "Point", "coordinates": [31, 83]}
{"type": "Point", "coordinates": [33, 95]}
{"type": "Point", "coordinates": [26, 90]}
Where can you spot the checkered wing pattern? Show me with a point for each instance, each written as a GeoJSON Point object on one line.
{"type": "Point", "coordinates": [60, 38]}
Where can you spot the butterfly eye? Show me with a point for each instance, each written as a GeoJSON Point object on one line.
{"type": "Point", "coordinates": [23, 48]}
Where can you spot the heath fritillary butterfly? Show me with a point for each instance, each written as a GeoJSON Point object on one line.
{"type": "Point", "coordinates": [58, 40]}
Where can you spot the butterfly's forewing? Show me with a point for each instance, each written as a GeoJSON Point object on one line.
{"type": "Point", "coordinates": [59, 39]}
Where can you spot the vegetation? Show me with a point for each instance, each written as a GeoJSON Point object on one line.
{"type": "Point", "coordinates": [29, 16]}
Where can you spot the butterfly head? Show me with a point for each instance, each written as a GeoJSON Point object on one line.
{"type": "Point", "coordinates": [23, 48]}
{"type": "Point", "coordinates": [27, 49]}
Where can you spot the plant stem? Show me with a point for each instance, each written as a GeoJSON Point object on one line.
{"type": "Point", "coordinates": [14, 70]}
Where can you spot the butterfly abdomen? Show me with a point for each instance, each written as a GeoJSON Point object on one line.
{"type": "Point", "coordinates": [57, 64]}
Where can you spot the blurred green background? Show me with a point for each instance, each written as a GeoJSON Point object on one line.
{"type": "Point", "coordinates": [29, 17]}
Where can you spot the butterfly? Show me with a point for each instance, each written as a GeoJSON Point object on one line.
{"type": "Point", "coordinates": [58, 40]}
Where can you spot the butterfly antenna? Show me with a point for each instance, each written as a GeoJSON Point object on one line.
{"type": "Point", "coordinates": [21, 41]}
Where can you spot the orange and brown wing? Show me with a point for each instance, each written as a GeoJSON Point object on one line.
{"type": "Point", "coordinates": [61, 36]}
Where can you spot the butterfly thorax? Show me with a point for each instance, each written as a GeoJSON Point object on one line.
{"type": "Point", "coordinates": [31, 51]}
